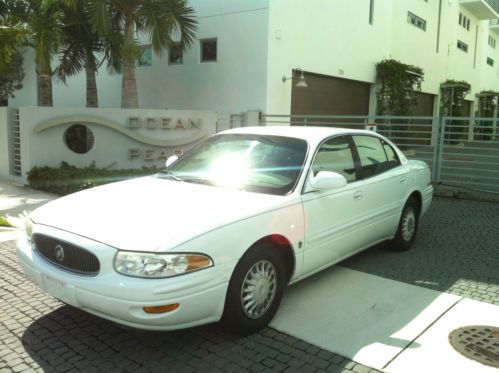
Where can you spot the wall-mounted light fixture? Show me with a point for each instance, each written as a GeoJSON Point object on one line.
{"type": "Point", "coordinates": [301, 80]}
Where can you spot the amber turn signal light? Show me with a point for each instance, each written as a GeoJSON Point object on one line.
{"type": "Point", "coordinates": [161, 309]}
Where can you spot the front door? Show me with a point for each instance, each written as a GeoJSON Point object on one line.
{"type": "Point", "coordinates": [331, 216]}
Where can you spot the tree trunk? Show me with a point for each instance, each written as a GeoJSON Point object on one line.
{"type": "Point", "coordinates": [44, 90]}
{"type": "Point", "coordinates": [92, 97]}
{"type": "Point", "coordinates": [44, 84]}
{"type": "Point", "coordinates": [129, 97]}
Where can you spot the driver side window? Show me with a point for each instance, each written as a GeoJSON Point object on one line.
{"type": "Point", "coordinates": [335, 155]}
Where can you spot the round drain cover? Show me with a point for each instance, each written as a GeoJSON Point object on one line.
{"type": "Point", "coordinates": [477, 342]}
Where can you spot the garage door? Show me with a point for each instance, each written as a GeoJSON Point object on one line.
{"type": "Point", "coordinates": [326, 95]}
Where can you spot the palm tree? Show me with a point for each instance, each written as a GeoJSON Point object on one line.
{"type": "Point", "coordinates": [79, 43]}
{"type": "Point", "coordinates": [161, 20]}
{"type": "Point", "coordinates": [44, 23]}
{"type": "Point", "coordinates": [12, 33]}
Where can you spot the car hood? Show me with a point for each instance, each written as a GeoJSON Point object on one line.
{"type": "Point", "coordinates": [150, 213]}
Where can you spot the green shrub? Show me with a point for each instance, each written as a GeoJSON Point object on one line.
{"type": "Point", "coordinates": [4, 222]}
{"type": "Point", "coordinates": [68, 179]}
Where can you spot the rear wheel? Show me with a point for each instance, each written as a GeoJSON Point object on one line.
{"type": "Point", "coordinates": [255, 290]}
{"type": "Point", "coordinates": [407, 228]}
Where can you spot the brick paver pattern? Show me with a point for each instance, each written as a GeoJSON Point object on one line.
{"type": "Point", "coordinates": [456, 251]}
{"type": "Point", "coordinates": [40, 334]}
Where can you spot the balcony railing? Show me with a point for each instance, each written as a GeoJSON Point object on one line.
{"type": "Point", "coordinates": [494, 4]}
{"type": "Point", "coordinates": [494, 23]}
{"type": "Point", "coordinates": [482, 9]}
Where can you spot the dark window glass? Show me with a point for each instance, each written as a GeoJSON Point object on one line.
{"type": "Point", "coordinates": [145, 56]}
{"type": "Point", "coordinates": [393, 159]}
{"type": "Point", "coordinates": [79, 138]}
{"type": "Point", "coordinates": [373, 158]}
{"type": "Point", "coordinates": [208, 50]}
{"type": "Point", "coordinates": [336, 155]}
{"type": "Point", "coordinates": [176, 54]}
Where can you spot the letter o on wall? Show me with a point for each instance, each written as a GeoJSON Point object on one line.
{"type": "Point", "coordinates": [79, 138]}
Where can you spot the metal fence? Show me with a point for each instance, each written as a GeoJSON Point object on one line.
{"type": "Point", "coordinates": [461, 151]}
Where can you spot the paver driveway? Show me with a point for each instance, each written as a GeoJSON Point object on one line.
{"type": "Point", "coordinates": [456, 251]}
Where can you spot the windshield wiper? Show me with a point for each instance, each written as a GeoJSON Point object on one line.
{"type": "Point", "coordinates": [170, 175]}
{"type": "Point", "coordinates": [197, 180]}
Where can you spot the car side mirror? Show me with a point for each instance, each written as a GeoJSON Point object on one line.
{"type": "Point", "coordinates": [328, 180]}
{"type": "Point", "coordinates": [171, 159]}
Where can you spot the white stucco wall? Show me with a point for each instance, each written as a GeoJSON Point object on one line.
{"type": "Point", "coordinates": [234, 83]}
{"type": "Point", "coordinates": [332, 38]}
{"type": "Point", "coordinates": [111, 148]}
{"type": "Point", "coordinates": [4, 143]}
{"type": "Point", "coordinates": [489, 79]}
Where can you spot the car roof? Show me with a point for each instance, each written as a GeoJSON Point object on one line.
{"type": "Point", "coordinates": [309, 133]}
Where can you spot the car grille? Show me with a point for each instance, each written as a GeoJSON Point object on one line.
{"type": "Point", "coordinates": [67, 256]}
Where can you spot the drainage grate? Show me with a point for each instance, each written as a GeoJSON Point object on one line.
{"type": "Point", "coordinates": [477, 342]}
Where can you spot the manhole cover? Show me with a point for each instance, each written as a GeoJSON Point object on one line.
{"type": "Point", "coordinates": [477, 342]}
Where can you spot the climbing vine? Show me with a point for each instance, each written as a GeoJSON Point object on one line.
{"type": "Point", "coordinates": [453, 93]}
{"type": "Point", "coordinates": [398, 83]}
{"type": "Point", "coordinates": [487, 103]}
{"type": "Point", "coordinates": [452, 99]}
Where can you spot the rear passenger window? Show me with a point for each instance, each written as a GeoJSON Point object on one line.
{"type": "Point", "coordinates": [375, 157]}
{"type": "Point", "coordinates": [393, 159]}
{"type": "Point", "coordinates": [335, 155]}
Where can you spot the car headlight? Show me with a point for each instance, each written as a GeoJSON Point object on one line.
{"type": "Point", "coordinates": [28, 227]}
{"type": "Point", "coordinates": [159, 265]}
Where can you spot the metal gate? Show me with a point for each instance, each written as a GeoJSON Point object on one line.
{"type": "Point", "coordinates": [462, 152]}
{"type": "Point", "coordinates": [15, 147]}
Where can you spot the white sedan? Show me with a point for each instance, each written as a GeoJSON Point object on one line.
{"type": "Point", "coordinates": [221, 231]}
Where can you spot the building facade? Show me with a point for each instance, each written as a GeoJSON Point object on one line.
{"type": "Point", "coordinates": [244, 49]}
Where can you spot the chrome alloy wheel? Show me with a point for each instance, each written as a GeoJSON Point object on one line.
{"type": "Point", "coordinates": [408, 224]}
{"type": "Point", "coordinates": [258, 289]}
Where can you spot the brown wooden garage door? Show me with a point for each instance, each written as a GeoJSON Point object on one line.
{"type": "Point", "coordinates": [326, 95]}
{"type": "Point", "coordinates": [424, 105]}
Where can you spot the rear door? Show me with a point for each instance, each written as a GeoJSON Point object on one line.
{"type": "Point", "coordinates": [385, 183]}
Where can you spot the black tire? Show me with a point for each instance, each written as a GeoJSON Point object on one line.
{"type": "Point", "coordinates": [246, 317]}
{"type": "Point", "coordinates": [407, 228]}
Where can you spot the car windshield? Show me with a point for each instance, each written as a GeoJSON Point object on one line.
{"type": "Point", "coordinates": [254, 163]}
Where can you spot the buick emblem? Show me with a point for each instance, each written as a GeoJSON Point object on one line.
{"type": "Point", "coordinates": [59, 253]}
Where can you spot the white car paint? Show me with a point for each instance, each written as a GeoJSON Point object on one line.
{"type": "Point", "coordinates": [159, 215]}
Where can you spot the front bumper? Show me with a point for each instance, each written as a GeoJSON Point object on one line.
{"type": "Point", "coordinates": [121, 299]}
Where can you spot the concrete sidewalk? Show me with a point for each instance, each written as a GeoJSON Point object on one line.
{"type": "Point", "coordinates": [17, 200]}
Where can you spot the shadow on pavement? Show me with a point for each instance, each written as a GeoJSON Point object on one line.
{"type": "Point", "coordinates": [455, 251]}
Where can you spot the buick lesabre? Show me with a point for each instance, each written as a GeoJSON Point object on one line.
{"type": "Point", "coordinates": [221, 232]}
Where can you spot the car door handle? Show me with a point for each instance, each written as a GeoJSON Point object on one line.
{"type": "Point", "coordinates": [358, 195]}
{"type": "Point", "coordinates": [404, 180]}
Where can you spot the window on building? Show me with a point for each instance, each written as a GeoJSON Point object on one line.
{"type": "Point", "coordinates": [208, 50]}
{"type": "Point", "coordinates": [464, 21]}
{"type": "Point", "coordinates": [492, 41]}
{"type": "Point", "coordinates": [145, 58]}
{"type": "Point", "coordinates": [176, 54]}
{"type": "Point", "coordinates": [490, 61]}
{"type": "Point", "coordinates": [462, 46]}
{"type": "Point", "coordinates": [416, 21]}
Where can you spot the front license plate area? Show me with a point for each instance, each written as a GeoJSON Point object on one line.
{"type": "Point", "coordinates": [57, 289]}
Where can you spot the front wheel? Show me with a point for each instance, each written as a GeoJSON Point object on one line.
{"type": "Point", "coordinates": [255, 290]}
{"type": "Point", "coordinates": [407, 228]}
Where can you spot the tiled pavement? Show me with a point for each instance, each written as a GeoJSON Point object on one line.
{"type": "Point", "coordinates": [39, 333]}
{"type": "Point", "coordinates": [456, 251]}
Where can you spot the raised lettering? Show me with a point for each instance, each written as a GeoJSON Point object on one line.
{"type": "Point", "coordinates": [133, 153]}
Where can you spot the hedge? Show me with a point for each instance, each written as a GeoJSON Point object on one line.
{"type": "Point", "coordinates": [68, 179]}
